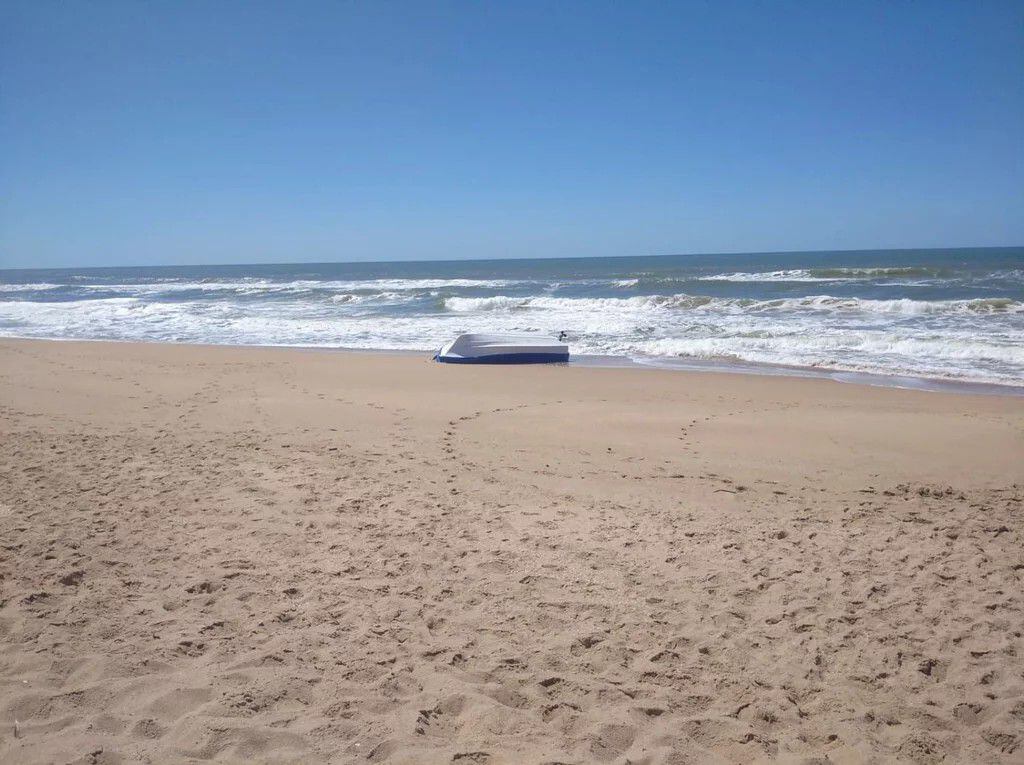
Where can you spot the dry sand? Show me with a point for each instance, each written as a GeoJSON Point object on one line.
{"type": "Point", "coordinates": [274, 555]}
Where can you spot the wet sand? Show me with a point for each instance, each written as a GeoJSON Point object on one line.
{"type": "Point", "coordinates": [279, 555]}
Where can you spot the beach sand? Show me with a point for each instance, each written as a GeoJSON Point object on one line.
{"type": "Point", "coordinates": [283, 555]}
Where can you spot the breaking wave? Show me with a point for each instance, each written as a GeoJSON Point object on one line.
{"type": "Point", "coordinates": [830, 274]}
{"type": "Point", "coordinates": [703, 302]}
{"type": "Point", "coordinates": [260, 286]}
{"type": "Point", "coordinates": [28, 287]}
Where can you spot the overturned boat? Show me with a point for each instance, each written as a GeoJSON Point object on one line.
{"type": "Point", "coordinates": [504, 349]}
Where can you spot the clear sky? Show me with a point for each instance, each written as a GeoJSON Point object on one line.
{"type": "Point", "coordinates": [218, 132]}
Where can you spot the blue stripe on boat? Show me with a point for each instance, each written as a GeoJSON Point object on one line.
{"type": "Point", "coordinates": [506, 358]}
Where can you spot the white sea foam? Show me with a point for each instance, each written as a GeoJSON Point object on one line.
{"type": "Point", "coordinates": [790, 275]}
{"type": "Point", "coordinates": [374, 297]}
{"type": "Point", "coordinates": [638, 303]}
{"type": "Point", "coordinates": [828, 274]}
{"type": "Point", "coordinates": [889, 353]}
{"type": "Point", "coordinates": [258, 286]}
{"type": "Point", "coordinates": [34, 287]}
{"type": "Point", "coordinates": [702, 302]}
{"type": "Point", "coordinates": [976, 339]}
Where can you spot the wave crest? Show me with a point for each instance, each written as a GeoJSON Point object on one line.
{"type": "Point", "coordinates": [830, 274]}
{"type": "Point", "coordinates": [683, 301]}
{"type": "Point", "coordinates": [37, 287]}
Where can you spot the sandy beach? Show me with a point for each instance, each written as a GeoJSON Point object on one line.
{"type": "Point", "coordinates": [296, 556]}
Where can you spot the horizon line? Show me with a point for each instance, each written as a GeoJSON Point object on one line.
{"type": "Point", "coordinates": [498, 260]}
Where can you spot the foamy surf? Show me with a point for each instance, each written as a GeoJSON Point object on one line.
{"type": "Point", "coordinates": [954, 316]}
{"type": "Point", "coordinates": [830, 274]}
{"type": "Point", "coordinates": [707, 303]}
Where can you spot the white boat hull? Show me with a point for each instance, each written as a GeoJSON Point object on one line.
{"type": "Point", "coordinates": [503, 349]}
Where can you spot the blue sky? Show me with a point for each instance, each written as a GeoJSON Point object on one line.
{"type": "Point", "coordinates": [199, 132]}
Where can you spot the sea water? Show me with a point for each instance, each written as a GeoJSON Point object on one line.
{"type": "Point", "coordinates": [940, 314]}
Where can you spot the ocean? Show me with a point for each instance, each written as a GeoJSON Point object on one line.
{"type": "Point", "coordinates": [934, 314]}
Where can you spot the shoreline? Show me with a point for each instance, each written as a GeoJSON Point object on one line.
{"type": "Point", "coordinates": [691, 365]}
